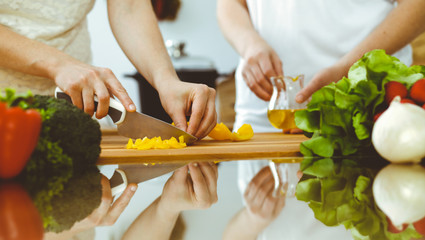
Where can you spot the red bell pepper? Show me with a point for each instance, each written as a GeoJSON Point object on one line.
{"type": "Point", "coordinates": [19, 131]}
{"type": "Point", "coordinates": [19, 218]}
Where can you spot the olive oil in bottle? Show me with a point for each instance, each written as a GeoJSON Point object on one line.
{"type": "Point", "coordinates": [282, 118]}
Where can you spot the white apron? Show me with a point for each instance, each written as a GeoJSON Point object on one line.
{"type": "Point", "coordinates": [308, 35]}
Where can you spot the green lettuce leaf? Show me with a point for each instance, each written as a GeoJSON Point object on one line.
{"type": "Point", "coordinates": [339, 192]}
{"type": "Point", "coordinates": [339, 117]}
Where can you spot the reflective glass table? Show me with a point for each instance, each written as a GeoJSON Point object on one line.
{"type": "Point", "coordinates": [265, 189]}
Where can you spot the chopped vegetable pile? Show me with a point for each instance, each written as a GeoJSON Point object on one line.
{"type": "Point", "coordinates": [219, 132]}
{"type": "Point", "coordinates": [156, 143]}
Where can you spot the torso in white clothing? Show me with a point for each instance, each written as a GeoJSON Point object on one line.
{"type": "Point", "coordinates": [308, 35]}
{"type": "Point", "coordinates": [57, 23]}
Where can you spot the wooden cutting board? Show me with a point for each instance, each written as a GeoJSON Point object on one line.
{"type": "Point", "coordinates": [261, 146]}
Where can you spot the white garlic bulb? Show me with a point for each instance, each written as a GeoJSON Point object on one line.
{"type": "Point", "coordinates": [399, 133]}
{"type": "Point", "coordinates": [399, 191]}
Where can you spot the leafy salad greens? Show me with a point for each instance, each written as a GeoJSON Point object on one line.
{"type": "Point", "coordinates": [340, 192]}
{"type": "Point", "coordinates": [339, 117]}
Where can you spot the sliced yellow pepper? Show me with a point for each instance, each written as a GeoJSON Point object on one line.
{"type": "Point", "coordinates": [222, 132]}
{"type": "Point", "coordinates": [155, 143]}
{"type": "Point", "coordinates": [245, 132]}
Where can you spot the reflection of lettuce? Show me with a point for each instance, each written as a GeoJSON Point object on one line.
{"type": "Point", "coordinates": [341, 193]}
{"type": "Point", "coordinates": [339, 117]}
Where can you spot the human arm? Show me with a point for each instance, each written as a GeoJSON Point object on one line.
{"type": "Point", "coordinates": [260, 61]}
{"type": "Point", "coordinates": [135, 27]}
{"type": "Point", "coordinates": [79, 80]}
{"type": "Point", "coordinates": [261, 208]}
{"type": "Point", "coordinates": [399, 28]}
{"type": "Point", "coordinates": [105, 215]}
{"type": "Point", "coordinates": [183, 191]}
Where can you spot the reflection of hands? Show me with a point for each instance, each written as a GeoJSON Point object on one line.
{"type": "Point", "coordinates": [321, 79]}
{"type": "Point", "coordinates": [184, 190]}
{"type": "Point", "coordinates": [182, 99]}
{"type": "Point", "coordinates": [262, 206]}
{"type": "Point", "coordinates": [261, 63]}
{"type": "Point", "coordinates": [108, 212]}
{"type": "Point", "coordinates": [196, 189]}
{"type": "Point", "coordinates": [81, 82]}
{"type": "Point", "coordinates": [105, 215]}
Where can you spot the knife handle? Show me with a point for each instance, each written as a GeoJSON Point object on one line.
{"type": "Point", "coordinates": [119, 178]}
{"type": "Point", "coordinates": [116, 110]}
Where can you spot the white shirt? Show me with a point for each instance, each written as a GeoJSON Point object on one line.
{"type": "Point", "coordinates": [308, 35]}
{"type": "Point", "coordinates": [57, 23]}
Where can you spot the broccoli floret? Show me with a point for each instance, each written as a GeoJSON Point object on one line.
{"type": "Point", "coordinates": [61, 175]}
{"type": "Point", "coordinates": [81, 195]}
{"type": "Point", "coordinates": [45, 175]}
{"type": "Point", "coordinates": [75, 131]}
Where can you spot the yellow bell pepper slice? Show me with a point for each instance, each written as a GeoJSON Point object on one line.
{"type": "Point", "coordinates": [222, 132]}
{"type": "Point", "coordinates": [245, 132]}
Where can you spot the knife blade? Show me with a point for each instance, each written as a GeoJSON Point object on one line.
{"type": "Point", "coordinates": [136, 125]}
{"type": "Point", "coordinates": [126, 174]}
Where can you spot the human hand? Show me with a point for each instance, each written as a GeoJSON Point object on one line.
{"type": "Point", "coordinates": [82, 82]}
{"type": "Point", "coordinates": [292, 131]}
{"type": "Point", "coordinates": [321, 79]}
{"type": "Point", "coordinates": [262, 206]}
{"type": "Point", "coordinates": [181, 99]}
{"type": "Point", "coordinates": [109, 211]}
{"type": "Point", "coordinates": [193, 186]}
{"type": "Point", "coordinates": [261, 63]}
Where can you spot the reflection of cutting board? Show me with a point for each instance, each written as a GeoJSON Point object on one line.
{"type": "Point", "coordinates": [261, 146]}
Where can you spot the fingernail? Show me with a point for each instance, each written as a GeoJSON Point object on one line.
{"type": "Point", "coordinates": [133, 188]}
{"type": "Point", "coordinates": [299, 98]}
{"type": "Point", "coordinates": [132, 107]}
{"type": "Point", "coordinates": [195, 164]}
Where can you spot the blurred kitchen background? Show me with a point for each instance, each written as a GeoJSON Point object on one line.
{"type": "Point", "coordinates": [211, 57]}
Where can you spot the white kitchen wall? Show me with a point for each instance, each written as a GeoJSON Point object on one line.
{"type": "Point", "coordinates": [197, 26]}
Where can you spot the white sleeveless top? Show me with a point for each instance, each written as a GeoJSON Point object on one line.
{"type": "Point", "coordinates": [308, 35]}
{"type": "Point", "coordinates": [57, 23]}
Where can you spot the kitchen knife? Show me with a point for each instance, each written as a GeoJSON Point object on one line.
{"type": "Point", "coordinates": [126, 174]}
{"type": "Point", "coordinates": [136, 125]}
